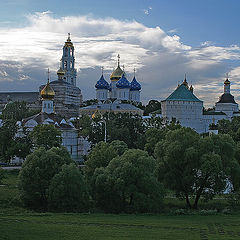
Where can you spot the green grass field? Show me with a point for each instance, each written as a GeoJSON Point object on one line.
{"type": "Point", "coordinates": [17, 223]}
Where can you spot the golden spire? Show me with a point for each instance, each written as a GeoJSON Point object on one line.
{"type": "Point", "coordinates": [68, 43]}
{"type": "Point", "coordinates": [118, 72]}
{"type": "Point", "coordinates": [227, 82]}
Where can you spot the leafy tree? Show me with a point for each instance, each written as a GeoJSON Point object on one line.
{"type": "Point", "coordinates": [128, 184]}
{"type": "Point", "coordinates": [99, 156]}
{"type": "Point", "coordinates": [37, 171]}
{"type": "Point", "coordinates": [152, 106]}
{"type": "Point", "coordinates": [119, 146]}
{"type": "Point", "coordinates": [68, 190]}
{"type": "Point", "coordinates": [194, 166]}
{"type": "Point", "coordinates": [7, 133]}
{"type": "Point", "coordinates": [16, 111]}
{"type": "Point", "coordinates": [46, 136]}
{"type": "Point", "coordinates": [2, 175]}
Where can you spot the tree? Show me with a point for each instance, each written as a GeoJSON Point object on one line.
{"type": "Point", "coordinates": [2, 175]}
{"type": "Point", "coordinates": [128, 184]}
{"type": "Point", "coordinates": [119, 146]}
{"type": "Point", "coordinates": [68, 190]}
{"type": "Point", "coordinates": [46, 136]}
{"type": "Point", "coordinates": [98, 157]}
{"type": "Point", "coordinates": [7, 133]}
{"type": "Point", "coordinates": [16, 111]}
{"type": "Point", "coordinates": [194, 166]}
{"type": "Point", "coordinates": [152, 106]}
{"type": "Point", "coordinates": [37, 171]}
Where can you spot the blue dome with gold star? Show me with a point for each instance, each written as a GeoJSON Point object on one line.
{"type": "Point", "coordinates": [123, 82]}
{"type": "Point", "coordinates": [102, 83]}
{"type": "Point", "coordinates": [135, 85]}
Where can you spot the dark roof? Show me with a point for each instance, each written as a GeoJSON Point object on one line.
{"type": "Point", "coordinates": [213, 113]}
{"type": "Point", "coordinates": [28, 97]}
{"type": "Point", "coordinates": [182, 93]}
{"type": "Point", "coordinates": [59, 82]}
{"type": "Point", "coordinates": [227, 98]}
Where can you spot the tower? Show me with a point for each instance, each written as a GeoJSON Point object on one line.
{"type": "Point", "coordinates": [102, 88]}
{"type": "Point", "coordinates": [135, 89]}
{"type": "Point", "coordinates": [47, 95]}
{"type": "Point", "coordinates": [68, 62]}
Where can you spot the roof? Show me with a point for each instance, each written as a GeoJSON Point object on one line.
{"type": "Point", "coordinates": [112, 106]}
{"type": "Point", "coordinates": [102, 83]}
{"type": "Point", "coordinates": [28, 97]}
{"type": "Point", "coordinates": [183, 94]}
{"type": "Point", "coordinates": [213, 113]}
{"type": "Point", "coordinates": [135, 85]}
{"type": "Point", "coordinates": [227, 98]}
{"type": "Point", "coordinates": [123, 82]}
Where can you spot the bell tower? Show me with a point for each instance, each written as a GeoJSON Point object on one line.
{"type": "Point", "coordinates": [68, 62]}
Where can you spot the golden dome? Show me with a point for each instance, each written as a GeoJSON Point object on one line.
{"type": "Point", "coordinates": [116, 74]}
{"type": "Point", "coordinates": [96, 114]}
{"type": "Point", "coordinates": [47, 92]}
{"type": "Point", "coordinates": [60, 71]}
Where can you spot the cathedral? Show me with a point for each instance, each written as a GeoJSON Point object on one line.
{"type": "Point", "coordinates": [116, 96]}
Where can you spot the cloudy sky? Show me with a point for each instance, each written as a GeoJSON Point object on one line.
{"type": "Point", "coordinates": [162, 39]}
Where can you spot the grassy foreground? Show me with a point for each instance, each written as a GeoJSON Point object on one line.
{"type": "Point", "coordinates": [17, 223]}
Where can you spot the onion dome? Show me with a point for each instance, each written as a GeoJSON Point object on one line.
{"type": "Point", "coordinates": [123, 82]}
{"type": "Point", "coordinates": [47, 92]}
{"type": "Point", "coordinates": [117, 73]}
{"type": "Point", "coordinates": [68, 43]}
{"type": "Point", "coordinates": [135, 85]}
{"type": "Point", "coordinates": [60, 71]}
{"type": "Point", "coordinates": [102, 83]}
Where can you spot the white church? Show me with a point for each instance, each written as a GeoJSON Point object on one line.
{"type": "Point", "coordinates": [183, 106]}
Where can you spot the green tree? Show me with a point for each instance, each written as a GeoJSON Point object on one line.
{"type": "Point", "coordinates": [152, 106]}
{"type": "Point", "coordinates": [194, 166]}
{"type": "Point", "coordinates": [98, 157]}
{"type": "Point", "coordinates": [2, 175]}
{"type": "Point", "coordinates": [16, 111]}
{"type": "Point", "coordinates": [37, 171]}
{"type": "Point", "coordinates": [68, 191]}
{"type": "Point", "coordinates": [128, 184]}
{"type": "Point", "coordinates": [119, 146]}
{"type": "Point", "coordinates": [7, 133]}
{"type": "Point", "coordinates": [46, 136]}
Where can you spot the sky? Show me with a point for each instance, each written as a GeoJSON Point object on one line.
{"type": "Point", "coordinates": [162, 39]}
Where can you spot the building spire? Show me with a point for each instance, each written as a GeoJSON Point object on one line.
{"type": "Point", "coordinates": [69, 39]}
{"type": "Point", "coordinates": [48, 74]}
{"type": "Point", "coordinates": [102, 69]}
{"type": "Point", "coordinates": [118, 56]}
{"type": "Point", "coordinates": [134, 70]}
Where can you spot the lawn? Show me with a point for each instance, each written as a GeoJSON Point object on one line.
{"type": "Point", "coordinates": [17, 223]}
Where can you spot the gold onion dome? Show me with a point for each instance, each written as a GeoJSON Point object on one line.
{"type": "Point", "coordinates": [68, 43]}
{"type": "Point", "coordinates": [117, 73]}
{"type": "Point", "coordinates": [47, 92]}
{"type": "Point", "coordinates": [60, 71]}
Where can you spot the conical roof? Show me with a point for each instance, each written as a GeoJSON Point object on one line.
{"type": "Point", "coordinates": [182, 93]}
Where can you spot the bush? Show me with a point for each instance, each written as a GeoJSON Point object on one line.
{"type": "Point", "coordinates": [68, 191]}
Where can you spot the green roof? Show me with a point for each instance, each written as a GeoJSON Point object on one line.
{"type": "Point", "coordinates": [183, 94]}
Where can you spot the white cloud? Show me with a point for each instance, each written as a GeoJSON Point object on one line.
{"type": "Point", "coordinates": [161, 59]}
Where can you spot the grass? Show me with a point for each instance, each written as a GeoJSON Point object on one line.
{"type": "Point", "coordinates": [17, 223]}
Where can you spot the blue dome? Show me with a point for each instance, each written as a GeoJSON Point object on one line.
{"type": "Point", "coordinates": [102, 83]}
{"type": "Point", "coordinates": [135, 85]}
{"type": "Point", "coordinates": [123, 82]}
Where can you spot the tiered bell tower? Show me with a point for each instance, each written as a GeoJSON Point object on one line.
{"type": "Point", "coordinates": [68, 62]}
